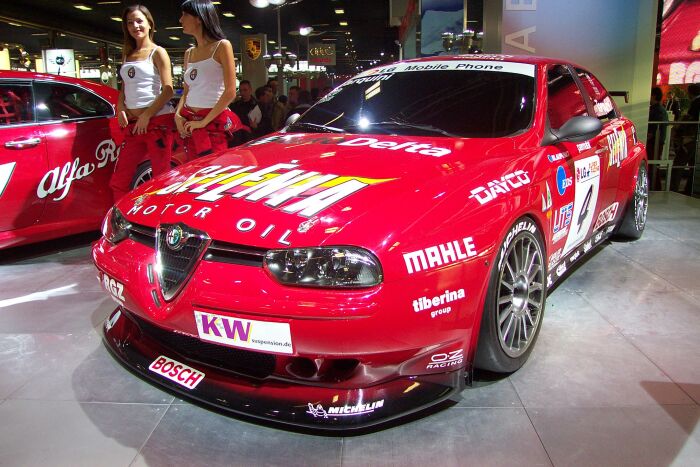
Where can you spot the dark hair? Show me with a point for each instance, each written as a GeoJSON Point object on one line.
{"type": "Point", "coordinates": [657, 93]}
{"type": "Point", "coordinates": [130, 42]}
{"type": "Point", "coordinates": [694, 89]}
{"type": "Point", "coordinates": [282, 99]}
{"type": "Point", "coordinates": [260, 92]}
{"type": "Point", "coordinates": [245, 81]}
{"type": "Point", "coordinates": [271, 79]}
{"type": "Point", "coordinates": [296, 88]}
{"type": "Point", "coordinates": [206, 12]}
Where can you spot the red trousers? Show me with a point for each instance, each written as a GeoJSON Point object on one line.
{"type": "Point", "coordinates": [156, 144]}
{"type": "Point", "coordinates": [213, 137]}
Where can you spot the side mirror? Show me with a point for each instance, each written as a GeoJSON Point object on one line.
{"type": "Point", "coordinates": [292, 118]}
{"type": "Point", "coordinates": [575, 130]}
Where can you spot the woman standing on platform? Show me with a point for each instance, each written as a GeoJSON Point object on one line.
{"type": "Point", "coordinates": [202, 115]}
{"type": "Point", "coordinates": [143, 110]}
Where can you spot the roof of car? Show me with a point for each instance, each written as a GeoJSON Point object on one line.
{"type": "Point", "coordinates": [97, 87]}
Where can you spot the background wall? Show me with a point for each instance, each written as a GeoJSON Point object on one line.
{"type": "Point", "coordinates": [612, 38]}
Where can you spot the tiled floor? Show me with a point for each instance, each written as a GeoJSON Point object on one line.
{"type": "Point", "coordinates": [614, 379]}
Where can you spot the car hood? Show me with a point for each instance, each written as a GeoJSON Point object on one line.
{"type": "Point", "coordinates": [305, 189]}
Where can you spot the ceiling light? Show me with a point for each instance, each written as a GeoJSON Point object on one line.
{"type": "Point", "coordinates": [306, 30]}
{"type": "Point", "coordinates": [174, 27]}
{"type": "Point", "coordinates": [108, 3]}
{"type": "Point", "coordinates": [14, 24]}
{"type": "Point", "coordinates": [339, 11]}
{"type": "Point", "coordinates": [276, 2]}
{"type": "Point", "coordinates": [175, 38]}
{"type": "Point", "coordinates": [228, 14]}
{"type": "Point", "coordinates": [92, 42]}
{"type": "Point", "coordinates": [271, 42]}
{"type": "Point", "coordinates": [116, 18]}
{"type": "Point", "coordinates": [259, 3]}
{"type": "Point", "coordinates": [40, 34]}
{"type": "Point", "coordinates": [343, 23]}
{"type": "Point", "coordinates": [82, 6]}
{"type": "Point", "coordinates": [216, 3]}
{"type": "Point", "coordinates": [246, 26]}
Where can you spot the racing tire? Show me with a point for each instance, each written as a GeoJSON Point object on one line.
{"type": "Point", "coordinates": [635, 218]}
{"type": "Point", "coordinates": [515, 300]}
{"type": "Point", "coordinates": [144, 173]}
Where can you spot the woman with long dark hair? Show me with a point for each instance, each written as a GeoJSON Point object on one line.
{"type": "Point", "coordinates": [143, 110]}
{"type": "Point", "coordinates": [202, 115]}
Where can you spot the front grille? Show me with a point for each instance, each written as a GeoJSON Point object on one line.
{"type": "Point", "coordinates": [176, 263]}
{"type": "Point", "coordinates": [243, 362]}
{"type": "Point", "coordinates": [142, 234]}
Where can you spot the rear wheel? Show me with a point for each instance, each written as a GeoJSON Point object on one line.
{"type": "Point", "coordinates": [514, 302]}
{"type": "Point", "coordinates": [144, 173]}
{"type": "Point", "coordinates": [632, 225]}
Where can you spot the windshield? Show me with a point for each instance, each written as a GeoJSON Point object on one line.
{"type": "Point", "coordinates": [432, 102]}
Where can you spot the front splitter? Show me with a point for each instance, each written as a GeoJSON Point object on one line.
{"type": "Point", "coordinates": [276, 400]}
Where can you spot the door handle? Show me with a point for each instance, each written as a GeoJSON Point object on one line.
{"type": "Point", "coordinates": [23, 143]}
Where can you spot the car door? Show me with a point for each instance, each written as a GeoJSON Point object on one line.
{"type": "Point", "coordinates": [615, 139]}
{"type": "Point", "coordinates": [575, 178]}
{"type": "Point", "coordinates": [22, 156]}
{"type": "Point", "coordinates": [78, 126]}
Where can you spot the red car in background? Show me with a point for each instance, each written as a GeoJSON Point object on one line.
{"type": "Point", "coordinates": [57, 154]}
{"type": "Point", "coordinates": [360, 264]}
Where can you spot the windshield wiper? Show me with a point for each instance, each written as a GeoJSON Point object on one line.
{"type": "Point", "coordinates": [414, 126]}
{"type": "Point", "coordinates": [315, 127]}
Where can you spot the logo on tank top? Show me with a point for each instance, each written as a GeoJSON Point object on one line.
{"type": "Point", "coordinates": [131, 72]}
{"type": "Point", "coordinates": [193, 74]}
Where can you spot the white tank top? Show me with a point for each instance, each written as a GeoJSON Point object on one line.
{"type": "Point", "coordinates": [205, 80]}
{"type": "Point", "coordinates": [142, 84]}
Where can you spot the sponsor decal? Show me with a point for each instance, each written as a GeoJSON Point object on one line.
{"type": "Point", "coordinates": [244, 333]}
{"type": "Point", "coordinates": [606, 215]}
{"type": "Point", "coordinates": [554, 258]}
{"type": "Point", "coordinates": [587, 246]}
{"type": "Point", "coordinates": [114, 287]}
{"type": "Point", "coordinates": [610, 228]}
{"type": "Point", "coordinates": [583, 146]}
{"type": "Point", "coordinates": [575, 256]}
{"type": "Point", "coordinates": [561, 269]}
{"type": "Point", "coordinates": [455, 65]}
{"type": "Point", "coordinates": [563, 182]}
{"type": "Point", "coordinates": [448, 296]}
{"type": "Point", "coordinates": [305, 192]}
{"type": "Point", "coordinates": [112, 321]}
{"type": "Point", "coordinates": [439, 255]}
{"type": "Point", "coordinates": [515, 230]}
{"type": "Point", "coordinates": [547, 203]}
{"type": "Point", "coordinates": [446, 360]}
{"type": "Point", "coordinates": [344, 411]}
{"type": "Point", "coordinates": [253, 48]}
{"type": "Point", "coordinates": [586, 186]}
{"type": "Point", "coordinates": [305, 226]}
{"type": "Point", "coordinates": [549, 280]}
{"type": "Point", "coordinates": [484, 194]}
{"type": "Point", "coordinates": [598, 237]}
{"type": "Point", "coordinates": [557, 157]}
{"type": "Point", "coordinates": [603, 108]}
{"type": "Point", "coordinates": [562, 220]}
{"type": "Point", "coordinates": [371, 79]}
{"type": "Point", "coordinates": [178, 372]}
{"type": "Point", "coordinates": [617, 145]}
{"type": "Point", "coordinates": [5, 175]}
{"type": "Point", "coordinates": [193, 74]}
{"type": "Point", "coordinates": [410, 146]}
{"type": "Point", "coordinates": [131, 72]}
{"type": "Point", "coordinates": [61, 178]}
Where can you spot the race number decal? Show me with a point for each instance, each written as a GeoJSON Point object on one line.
{"type": "Point", "coordinates": [5, 175]}
{"type": "Point", "coordinates": [587, 184]}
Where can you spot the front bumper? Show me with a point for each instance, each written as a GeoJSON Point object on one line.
{"type": "Point", "coordinates": [270, 398]}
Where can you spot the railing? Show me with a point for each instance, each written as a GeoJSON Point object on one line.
{"type": "Point", "coordinates": [674, 156]}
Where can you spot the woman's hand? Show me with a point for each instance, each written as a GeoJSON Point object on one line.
{"type": "Point", "coordinates": [194, 125]}
{"type": "Point", "coordinates": [141, 125]}
{"type": "Point", "coordinates": [180, 125]}
{"type": "Point", "coordinates": [122, 119]}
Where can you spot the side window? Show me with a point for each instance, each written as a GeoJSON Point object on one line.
{"type": "Point", "coordinates": [564, 97]}
{"type": "Point", "coordinates": [16, 104]}
{"type": "Point", "coordinates": [602, 102]}
{"type": "Point", "coordinates": [62, 102]}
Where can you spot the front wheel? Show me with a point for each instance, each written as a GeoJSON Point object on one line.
{"type": "Point", "coordinates": [632, 225]}
{"type": "Point", "coordinates": [515, 300]}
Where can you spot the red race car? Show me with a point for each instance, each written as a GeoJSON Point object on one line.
{"type": "Point", "coordinates": [358, 265]}
{"type": "Point", "coordinates": [57, 154]}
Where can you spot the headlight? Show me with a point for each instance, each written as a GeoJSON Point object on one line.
{"type": "Point", "coordinates": [325, 267]}
{"type": "Point", "coordinates": [115, 227]}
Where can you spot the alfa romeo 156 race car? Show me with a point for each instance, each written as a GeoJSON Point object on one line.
{"type": "Point", "coordinates": [358, 265]}
{"type": "Point", "coordinates": [59, 141]}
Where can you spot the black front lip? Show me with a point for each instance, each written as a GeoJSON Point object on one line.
{"type": "Point", "coordinates": [280, 401]}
